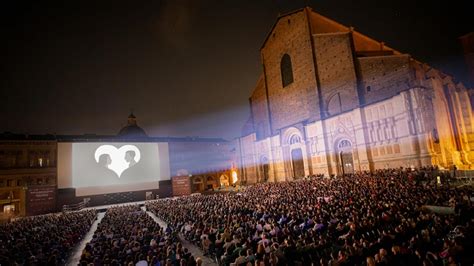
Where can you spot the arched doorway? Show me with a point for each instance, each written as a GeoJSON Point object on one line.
{"type": "Point", "coordinates": [264, 169]}
{"type": "Point", "coordinates": [345, 159]}
{"type": "Point", "coordinates": [294, 153]}
{"type": "Point", "coordinates": [297, 163]}
{"type": "Point", "coordinates": [211, 183]}
{"type": "Point", "coordinates": [198, 184]}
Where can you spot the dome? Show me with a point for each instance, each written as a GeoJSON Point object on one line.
{"type": "Point", "coordinates": [132, 129]}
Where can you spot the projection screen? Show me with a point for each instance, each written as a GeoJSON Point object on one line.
{"type": "Point", "coordinates": [101, 168]}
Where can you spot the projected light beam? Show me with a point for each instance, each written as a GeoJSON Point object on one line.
{"type": "Point", "coordinates": [117, 160]}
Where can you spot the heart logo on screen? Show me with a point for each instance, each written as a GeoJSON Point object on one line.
{"type": "Point", "coordinates": [117, 160]}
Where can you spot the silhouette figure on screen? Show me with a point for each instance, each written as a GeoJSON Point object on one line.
{"type": "Point", "coordinates": [121, 158]}
{"type": "Point", "coordinates": [105, 176]}
{"type": "Point", "coordinates": [104, 160]}
{"type": "Point", "coordinates": [134, 171]}
{"type": "Point", "coordinates": [130, 158]}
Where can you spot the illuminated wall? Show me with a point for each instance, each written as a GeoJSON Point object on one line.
{"type": "Point", "coordinates": [356, 105]}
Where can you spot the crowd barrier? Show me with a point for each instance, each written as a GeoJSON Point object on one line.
{"type": "Point", "coordinates": [75, 207]}
{"type": "Point", "coordinates": [439, 209]}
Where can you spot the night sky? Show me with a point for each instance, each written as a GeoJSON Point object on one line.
{"type": "Point", "coordinates": [186, 68]}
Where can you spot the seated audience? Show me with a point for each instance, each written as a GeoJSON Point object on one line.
{"type": "Point", "coordinates": [43, 240]}
{"type": "Point", "coordinates": [129, 236]}
{"type": "Point", "coordinates": [359, 219]}
{"type": "Point", "coordinates": [387, 217]}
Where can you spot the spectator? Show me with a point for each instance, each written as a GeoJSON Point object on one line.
{"type": "Point", "coordinates": [362, 218]}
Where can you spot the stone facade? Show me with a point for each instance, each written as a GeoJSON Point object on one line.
{"type": "Point", "coordinates": [354, 104]}
{"type": "Point", "coordinates": [26, 165]}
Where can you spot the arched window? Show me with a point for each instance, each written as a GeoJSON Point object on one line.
{"type": "Point", "coordinates": [344, 144]}
{"type": "Point", "coordinates": [286, 70]}
{"type": "Point", "coordinates": [295, 139]}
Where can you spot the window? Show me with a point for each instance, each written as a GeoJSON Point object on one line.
{"type": "Point", "coordinates": [295, 139]}
{"type": "Point", "coordinates": [369, 88]}
{"type": "Point", "coordinates": [286, 70]}
{"type": "Point", "coordinates": [344, 144]}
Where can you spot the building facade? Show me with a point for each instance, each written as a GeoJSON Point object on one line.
{"type": "Point", "coordinates": [27, 174]}
{"type": "Point", "coordinates": [332, 101]}
{"type": "Point", "coordinates": [30, 169]}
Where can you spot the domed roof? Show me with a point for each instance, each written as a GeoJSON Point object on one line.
{"type": "Point", "coordinates": [132, 129]}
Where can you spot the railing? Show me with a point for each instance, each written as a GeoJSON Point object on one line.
{"type": "Point", "coordinates": [464, 174]}
{"type": "Point", "coordinates": [457, 177]}
{"type": "Point", "coordinates": [75, 207]}
{"type": "Point", "coordinates": [464, 177]}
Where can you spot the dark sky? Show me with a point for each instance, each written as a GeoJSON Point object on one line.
{"type": "Point", "coordinates": [186, 68]}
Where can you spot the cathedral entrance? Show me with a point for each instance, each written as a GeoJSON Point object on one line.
{"type": "Point", "coordinates": [264, 169]}
{"type": "Point", "coordinates": [265, 172]}
{"type": "Point", "coordinates": [345, 160]}
{"type": "Point", "coordinates": [347, 163]}
{"type": "Point", "coordinates": [297, 163]}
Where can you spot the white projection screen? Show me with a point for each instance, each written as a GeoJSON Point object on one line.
{"type": "Point", "coordinates": [112, 167]}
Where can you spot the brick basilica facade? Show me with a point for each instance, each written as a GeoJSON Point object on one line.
{"type": "Point", "coordinates": [331, 100]}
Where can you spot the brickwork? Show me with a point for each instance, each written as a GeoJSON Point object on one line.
{"type": "Point", "coordinates": [336, 73]}
{"type": "Point", "coordinates": [383, 76]}
{"type": "Point", "coordinates": [321, 24]}
{"type": "Point", "coordinates": [297, 101]}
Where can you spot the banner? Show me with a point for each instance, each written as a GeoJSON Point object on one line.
{"type": "Point", "coordinates": [181, 185]}
{"type": "Point", "coordinates": [40, 200]}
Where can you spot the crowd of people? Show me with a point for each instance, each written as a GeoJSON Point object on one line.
{"type": "Point", "coordinates": [378, 218]}
{"type": "Point", "coordinates": [360, 219]}
{"type": "Point", "coordinates": [129, 236]}
{"type": "Point", "coordinates": [43, 240]}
